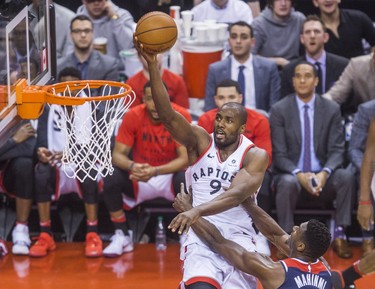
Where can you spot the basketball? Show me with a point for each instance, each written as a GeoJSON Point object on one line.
{"type": "Point", "coordinates": [156, 31]}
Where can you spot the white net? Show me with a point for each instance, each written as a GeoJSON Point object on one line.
{"type": "Point", "coordinates": [89, 128]}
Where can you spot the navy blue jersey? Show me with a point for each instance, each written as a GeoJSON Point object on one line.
{"type": "Point", "coordinates": [300, 274]}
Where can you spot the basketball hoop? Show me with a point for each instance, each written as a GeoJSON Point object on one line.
{"type": "Point", "coordinates": [91, 110]}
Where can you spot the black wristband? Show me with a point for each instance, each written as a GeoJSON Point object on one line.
{"type": "Point", "coordinates": [350, 275]}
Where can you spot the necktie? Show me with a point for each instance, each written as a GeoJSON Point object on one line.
{"type": "Point", "coordinates": [319, 88]}
{"type": "Point", "coordinates": [241, 82]}
{"type": "Point", "coordinates": [307, 140]}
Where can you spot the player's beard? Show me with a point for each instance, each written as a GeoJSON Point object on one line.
{"type": "Point", "coordinates": [226, 141]}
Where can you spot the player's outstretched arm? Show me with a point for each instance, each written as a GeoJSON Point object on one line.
{"type": "Point", "coordinates": [246, 182]}
{"type": "Point", "coordinates": [176, 124]}
{"type": "Point", "coordinates": [270, 273]}
{"type": "Point", "coordinates": [267, 225]}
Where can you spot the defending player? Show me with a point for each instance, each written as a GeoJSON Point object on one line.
{"type": "Point", "coordinates": [305, 245]}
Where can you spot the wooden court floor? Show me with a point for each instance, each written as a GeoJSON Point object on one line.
{"type": "Point", "coordinates": [145, 268]}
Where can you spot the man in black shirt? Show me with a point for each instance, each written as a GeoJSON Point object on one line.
{"type": "Point", "coordinates": [346, 29]}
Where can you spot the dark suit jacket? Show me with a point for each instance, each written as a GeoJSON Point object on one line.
{"type": "Point", "coordinates": [361, 124]}
{"type": "Point", "coordinates": [101, 67]}
{"type": "Point", "coordinates": [286, 136]}
{"type": "Point", "coordinates": [266, 80]}
{"type": "Point", "coordinates": [335, 65]}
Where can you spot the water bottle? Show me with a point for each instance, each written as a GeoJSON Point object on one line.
{"type": "Point", "coordinates": [160, 235]}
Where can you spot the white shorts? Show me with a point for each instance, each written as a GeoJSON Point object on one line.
{"type": "Point", "coordinates": [65, 185]}
{"type": "Point", "coordinates": [156, 187]}
{"type": "Point", "coordinates": [201, 264]}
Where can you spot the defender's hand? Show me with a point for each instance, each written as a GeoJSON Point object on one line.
{"type": "Point", "coordinates": [183, 201]}
{"type": "Point", "coordinates": [183, 221]}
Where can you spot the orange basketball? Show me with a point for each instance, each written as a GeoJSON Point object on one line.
{"type": "Point", "coordinates": [157, 31]}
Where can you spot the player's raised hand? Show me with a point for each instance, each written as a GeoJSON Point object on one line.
{"type": "Point", "coordinates": [149, 57]}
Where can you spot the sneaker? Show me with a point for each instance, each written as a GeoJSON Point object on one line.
{"type": "Point", "coordinates": [3, 248]}
{"type": "Point", "coordinates": [262, 245]}
{"type": "Point", "coordinates": [119, 244]}
{"type": "Point", "coordinates": [94, 245]}
{"type": "Point", "coordinates": [21, 240]}
{"type": "Point", "coordinates": [44, 244]}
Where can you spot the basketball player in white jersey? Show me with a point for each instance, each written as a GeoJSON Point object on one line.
{"type": "Point", "coordinates": [224, 159]}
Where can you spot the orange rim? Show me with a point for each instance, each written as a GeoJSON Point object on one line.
{"type": "Point", "coordinates": [51, 91]}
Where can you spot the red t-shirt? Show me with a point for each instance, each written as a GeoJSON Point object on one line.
{"type": "Point", "coordinates": [150, 143]}
{"type": "Point", "coordinates": [177, 89]}
{"type": "Point", "coordinates": [257, 128]}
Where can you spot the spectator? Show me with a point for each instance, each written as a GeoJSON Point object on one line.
{"type": "Point", "coordinates": [355, 85]}
{"type": "Point", "coordinates": [17, 179]}
{"type": "Point", "coordinates": [51, 181]}
{"type": "Point", "coordinates": [176, 85]}
{"type": "Point", "coordinates": [140, 7]}
{"type": "Point", "coordinates": [91, 63]}
{"type": "Point", "coordinates": [261, 82]}
{"type": "Point", "coordinates": [110, 21]}
{"type": "Point", "coordinates": [277, 30]}
{"type": "Point", "coordinates": [24, 68]}
{"type": "Point", "coordinates": [155, 168]}
{"type": "Point", "coordinates": [313, 37]}
{"type": "Point", "coordinates": [308, 152]}
{"type": "Point", "coordinates": [18, 45]}
{"type": "Point", "coordinates": [365, 215]}
{"type": "Point", "coordinates": [346, 28]}
{"type": "Point", "coordinates": [253, 4]}
{"type": "Point", "coordinates": [357, 145]}
{"type": "Point", "coordinates": [228, 11]}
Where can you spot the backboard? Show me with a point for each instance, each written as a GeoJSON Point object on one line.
{"type": "Point", "coordinates": [27, 51]}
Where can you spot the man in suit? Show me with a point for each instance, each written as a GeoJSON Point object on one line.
{"type": "Point", "coordinates": [356, 84]}
{"type": "Point", "coordinates": [308, 152]}
{"type": "Point", "coordinates": [313, 37]}
{"type": "Point", "coordinates": [91, 63]}
{"type": "Point", "coordinates": [357, 145]}
{"type": "Point", "coordinates": [258, 77]}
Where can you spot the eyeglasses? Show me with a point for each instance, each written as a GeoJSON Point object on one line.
{"type": "Point", "coordinates": [80, 31]}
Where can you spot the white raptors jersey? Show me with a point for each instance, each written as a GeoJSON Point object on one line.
{"type": "Point", "coordinates": [208, 176]}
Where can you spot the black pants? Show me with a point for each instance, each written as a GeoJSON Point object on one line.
{"type": "Point", "coordinates": [45, 183]}
{"type": "Point", "coordinates": [19, 177]}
